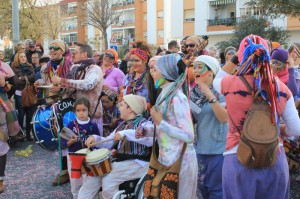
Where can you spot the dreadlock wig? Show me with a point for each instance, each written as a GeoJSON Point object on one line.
{"type": "Point", "coordinates": [255, 59]}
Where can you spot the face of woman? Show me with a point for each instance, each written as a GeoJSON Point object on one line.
{"type": "Point", "coordinates": [137, 64]}
{"type": "Point", "coordinates": [155, 74]}
{"type": "Point", "coordinates": [22, 58]}
{"type": "Point", "coordinates": [293, 53]}
{"type": "Point", "coordinates": [201, 73]}
{"type": "Point", "coordinates": [108, 60]}
{"type": "Point", "coordinates": [277, 66]}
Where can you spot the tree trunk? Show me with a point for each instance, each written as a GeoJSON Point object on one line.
{"type": "Point", "coordinates": [105, 39]}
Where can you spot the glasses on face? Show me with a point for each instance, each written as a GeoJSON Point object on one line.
{"type": "Point", "coordinates": [110, 57]}
{"type": "Point", "coordinates": [277, 64]}
{"type": "Point", "coordinates": [31, 46]}
{"type": "Point", "coordinates": [55, 48]}
{"type": "Point", "coordinates": [190, 45]}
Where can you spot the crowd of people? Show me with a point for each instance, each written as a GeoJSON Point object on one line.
{"type": "Point", "coordinates": [181, 105]}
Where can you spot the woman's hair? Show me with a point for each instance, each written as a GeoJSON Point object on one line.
{"type": "Point", "coordinates": [82, 100]}
{"type": "Point", "coordinates": [18, 47]}
{"type": "Point", "coordinates": [16, 62]}
{"type": "Point", "coordinates": [41, 47]}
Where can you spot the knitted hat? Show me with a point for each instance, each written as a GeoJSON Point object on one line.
{"type": "Point", "coordinates": [210, 62]}
{"type": "Point", "coordinates": [138, 104]}
{"type": "Point", "coordinates": [115, 53]}
{"type": "Point", "coordinates": [59, 43]}
{"type": "Point", "coordinates": [297, 47]}
{"type": "Point", "coordinates": [280, 54]}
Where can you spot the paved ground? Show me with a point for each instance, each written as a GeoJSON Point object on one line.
{"type": "Point", "coordinates": [30, 178]}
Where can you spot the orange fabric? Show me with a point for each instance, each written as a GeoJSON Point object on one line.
{"type": "Point", "coordinates": [275, 45]}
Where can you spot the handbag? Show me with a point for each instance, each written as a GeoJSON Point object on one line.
{"type": "Point", "coordinates": [162, 181]}
{"type": "Point", "coordinates": [28, 95]}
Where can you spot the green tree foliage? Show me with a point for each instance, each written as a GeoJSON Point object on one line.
{"type": "Point", "coordinates": [260, 27]}
{"type": "Point", "coordinates": [275, 8]}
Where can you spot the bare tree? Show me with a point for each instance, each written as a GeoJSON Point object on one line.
{"type": "Point", "coordinates": [100, 14]}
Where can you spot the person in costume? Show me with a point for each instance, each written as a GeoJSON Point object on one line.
{"type": "Point", "coordinates": [131, 155]}
{"type": "Point", "coordinates": [238, 180]}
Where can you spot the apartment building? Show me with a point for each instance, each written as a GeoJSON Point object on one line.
{"type": "Point", "coordinates": [159, 21]}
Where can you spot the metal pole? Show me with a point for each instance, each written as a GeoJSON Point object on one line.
{"type": "Point", "coordinates": [15, 22]}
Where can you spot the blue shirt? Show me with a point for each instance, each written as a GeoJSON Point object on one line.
{"type": "Point", "coordinates": [210, 132]}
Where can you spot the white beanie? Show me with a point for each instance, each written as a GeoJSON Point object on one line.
{"type": "Point", "coordinates": [138, 104]}
{"type": "Point", "coordinates": [210, 62]}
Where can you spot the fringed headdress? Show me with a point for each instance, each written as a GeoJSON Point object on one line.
{"type": "Point", "coordinates": [256, 61]}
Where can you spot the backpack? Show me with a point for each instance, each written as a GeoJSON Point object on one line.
{"type": "Point", "coordinates": [258, 145]}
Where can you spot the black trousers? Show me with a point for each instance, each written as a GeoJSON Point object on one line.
{"type": "Point", "coordinates": [2, 165]}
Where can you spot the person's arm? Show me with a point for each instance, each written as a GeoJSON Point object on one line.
{"type": "Point", "coordinates": [292, 84]}
{"type": "Point", "coordinates": [184, 126]}
{"type": "Point", "coordinates": [130, 135]}
{"type": "Point", "coordinates": [107, 144]}
{"type": "Point", "coordinates": [291, 118]}
{"type": "Point", "coordinates": [31, 77]}
{"type": "Point", "coordinates": [119, 79]}
{"type": "Point", "coordinates": [92, 78]}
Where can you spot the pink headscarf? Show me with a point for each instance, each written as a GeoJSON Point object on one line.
{"type": "Point", "coordinates": [6, 70]}
{"type": "Point", "coordinates": [256, 39]}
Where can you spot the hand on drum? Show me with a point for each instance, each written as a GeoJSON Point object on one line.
{"type": "Point", "coordinates": [89, 141]}
{"type": "Point", "coordinates": [72, 141]}
{"type": "Point", "coordinates": [55, 79]}
{"type": "Point", "coordinates": [118, 136]}
{"type": "Point", "coordinates": [55, 89]}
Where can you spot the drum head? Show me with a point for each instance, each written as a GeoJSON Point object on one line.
{"type": "Point", "coordinates": [97, 155]}
{"type": "Point", "coordinates": [83, 151]}
{"type": "Point", "coordinates": [42, 128]}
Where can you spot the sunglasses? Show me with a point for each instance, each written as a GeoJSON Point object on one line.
{"type": "Point", "coordinates": [110, 56]}
{"type": "Point", "coordinates": [190, 45]}
{"type": "Point", "coordinates": [55, 48]}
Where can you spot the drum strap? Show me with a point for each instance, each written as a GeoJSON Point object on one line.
{"type": "Point", "coordinates": [98, 102]}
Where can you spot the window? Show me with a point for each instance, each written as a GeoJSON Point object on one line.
{"type": "Point", "coordinates": [160, 33]}
{"type": "Point", "coordinates": [189, 15]}
{"type": "Point", "coordinates": [73, 37]}
{"type": "Point", "coordinates": [160, 14]}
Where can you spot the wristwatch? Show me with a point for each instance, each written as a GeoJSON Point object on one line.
{"type": "Point", "coordinates": [214, 100]}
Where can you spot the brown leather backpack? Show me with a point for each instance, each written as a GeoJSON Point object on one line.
{"type": "Point", "coordinates": [258, 145]}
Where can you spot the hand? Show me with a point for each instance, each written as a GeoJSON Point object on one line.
{"type": "Point", "coordinates": [72, 141]}
{"type": "Point", "coordinates": [8, 86]}
{"type": "Point", "coordinates": [89, 141]}
{"type": "Point", "coordinates": [156, 115]}
{"type": "Point", "coordinates": [104, 87]}
{"type": "Point", "coordinates": [55, 79]}
{"type": "Point", "coordinates": [291, 62]}
{"type": "Point", "coordinates": [118, 136]}
{"type": "Point", "coordinates": [139, 132]}
{"type": "Point", "coordinates": [55, 89]}
{"type": "Point", "coordinates": [36, 83]}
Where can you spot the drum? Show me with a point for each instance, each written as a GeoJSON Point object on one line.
{"type": "Point", "coordinates": [63, 114]}
{"type": "Point", "coordinates": [77, 160]}
{"type": "Point", "coordinates": [99, 161]}
{"type": "Point", "coordinates": [42, 128]}
{"type": "Point", "coordinates": [292, 150]}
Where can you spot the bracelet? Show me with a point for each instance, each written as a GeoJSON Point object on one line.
{"type": "Point", "coordinates": [234, 59]}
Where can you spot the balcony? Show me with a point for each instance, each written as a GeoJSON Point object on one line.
{"type": "Point", "coordinates": [225, 21]}
{"type": "Point", "coordinates": [221, 2]}
{"type": "Point", "coordinates": [123, 3]}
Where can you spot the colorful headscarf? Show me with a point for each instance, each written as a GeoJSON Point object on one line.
{"type": "Point", "coordinates": [142, 54]}
{"type": "Point", "coordinates": [172, 68]}
{"type": "Point", "coordinates": [255, 59]}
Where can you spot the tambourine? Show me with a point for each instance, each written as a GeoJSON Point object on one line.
{"type": "Point", "coordinates": [67, 133]}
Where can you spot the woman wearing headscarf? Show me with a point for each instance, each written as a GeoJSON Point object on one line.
{"type": "Point", "coordinates": [112, 76]}
{"type": "Point", "coordinates": [208, 108]}
{"type": "Point", "coordinates": [136, 81]}
{"type": "Point", "coordinates": [173, 121]}
{"type": "Point", "coordinates": [238, 180]}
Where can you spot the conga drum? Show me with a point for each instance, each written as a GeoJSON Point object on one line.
{"type": "Point", "coordinates": [77, 160]}
{"type": "Point", "coordinates": [99, 161]}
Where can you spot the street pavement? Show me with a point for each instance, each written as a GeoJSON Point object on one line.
{"type": "Point", "coordinates": [30, 178]}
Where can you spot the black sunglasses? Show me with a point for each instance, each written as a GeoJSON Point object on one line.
{"type": "Point", "coordinates": [110, 56]}
{"type": "Point", "coordinates": [190, 45]}
{"type": "Point", "coordinates": [55, 48]}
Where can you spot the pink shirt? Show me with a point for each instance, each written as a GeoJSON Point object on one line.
{"type": "Point", "coordinates": [235, 93]}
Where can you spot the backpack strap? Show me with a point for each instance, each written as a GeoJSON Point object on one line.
{"type": "Point", "coordinates": [246, 83]}
{"type": "Point", "coordinates": [234, 123]}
